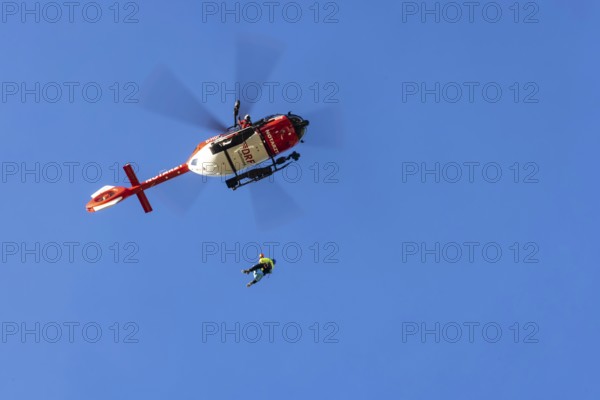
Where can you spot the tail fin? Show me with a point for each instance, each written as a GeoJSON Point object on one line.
{"type": "Point", "coordinates": [106, 197]}
{"type": "Point", "coordinates": [135, 182]}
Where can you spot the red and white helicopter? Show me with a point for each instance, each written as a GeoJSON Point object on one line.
{"type": "Point", "coordinates": [249, 150]}
{"type": "Point", "coordinates": [238, 152]}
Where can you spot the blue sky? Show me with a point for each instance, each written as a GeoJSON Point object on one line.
{"type": "Point", "coordinates": [445, 250]}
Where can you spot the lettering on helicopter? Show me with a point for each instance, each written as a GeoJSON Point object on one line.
{"type": "Point", "coordinates": [246, 153]}
{"type": "Point", "coordinates": [272, 142]}
{"type": "Point", "coordinates": [163, 174]}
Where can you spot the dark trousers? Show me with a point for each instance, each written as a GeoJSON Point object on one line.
{"type": "Point", "coordinates": [265, 267]}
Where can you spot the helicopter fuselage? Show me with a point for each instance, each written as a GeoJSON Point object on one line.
{"type": "Point", "coordinates": [246, 147]}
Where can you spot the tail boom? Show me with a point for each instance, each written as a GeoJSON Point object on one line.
{"type": "Point", "coordinates": [108, 196]}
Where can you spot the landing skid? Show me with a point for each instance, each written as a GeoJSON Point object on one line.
{"type": "Point", "coordinates": [257, 174]}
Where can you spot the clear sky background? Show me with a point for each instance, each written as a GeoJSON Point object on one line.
{"type": "Point", "coordinates": [370, 298]}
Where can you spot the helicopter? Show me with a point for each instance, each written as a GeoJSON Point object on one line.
{"type": "Point", "coordinates": [240, 151]}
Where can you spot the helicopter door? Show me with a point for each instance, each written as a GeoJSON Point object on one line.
{"type": "Point", "coordinates": [249, 153]}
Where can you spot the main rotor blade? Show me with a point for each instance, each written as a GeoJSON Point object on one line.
{"type": "Point", "coordinates": [325, 129]}
{"type": "Point", "coordinates": [164, 94]}
{"type": "Point", "coordinates": [256, 57]}
{"type": "Point", "coordinates": [273, 206]}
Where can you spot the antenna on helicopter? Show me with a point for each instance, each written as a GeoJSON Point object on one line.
{"type": "Point", "coordinates": [236, 111]}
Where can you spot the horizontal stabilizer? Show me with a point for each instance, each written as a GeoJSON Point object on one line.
{"type": "Point", "coordinates": [135, 182]}
{"type": "Point", "coordinates": [144, 202]}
